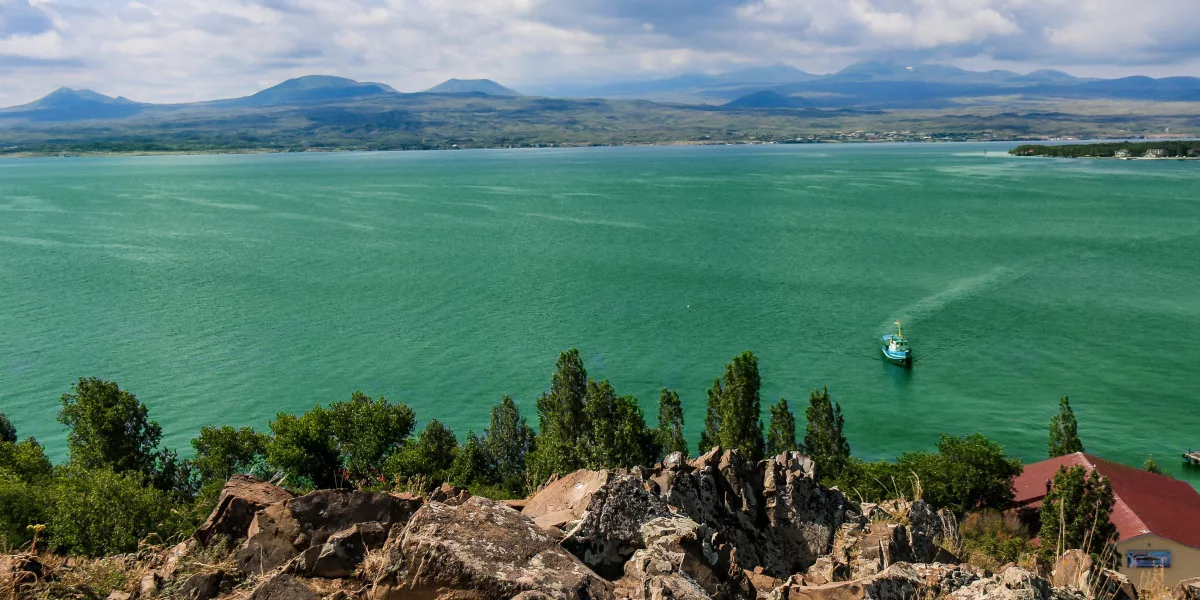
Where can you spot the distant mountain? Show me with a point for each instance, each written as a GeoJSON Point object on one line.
{"type": "Point", "coordinates": [767, 99]}
{"type": "Point", "coordinates": [687, 87]}
{"type": "Point", "coordinates": [471, 86]}
{"type": "Point", "coordinates": [66, 104]}
{"type": "Point", "coordinates": [310, 89]}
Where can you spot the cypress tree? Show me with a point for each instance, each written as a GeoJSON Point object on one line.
{"type": "Point", "coordinates": [509, 440]}
{"type": "Point", "coordinates": [1076, 514]}
{"type": "Point", "coordinates": [733, 418]}
{"type": "Point", "coordinates": [670, 423]}
{"type": "Point", "coordinates": [823, 437]}
{"type": "Point", "coordinates": [617, 435]}
{"type": "Point", "coordinates": [1064, 434]}
{"type": "Point", "coordinates": [781, 432]}
{"type": "Point", "coordinates": [561, 419]}
{"type": "Point", "coordinates": [8, 433]}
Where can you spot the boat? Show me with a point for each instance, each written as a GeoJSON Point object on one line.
{"type": "Point", "coordinates": [895, 348]}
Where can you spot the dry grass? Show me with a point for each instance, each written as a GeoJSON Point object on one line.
{"type": "Point", "coordinates": [375, 566]}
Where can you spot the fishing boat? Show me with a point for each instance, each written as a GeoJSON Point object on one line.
{"type": "Point", "coordinates": [895, 348]}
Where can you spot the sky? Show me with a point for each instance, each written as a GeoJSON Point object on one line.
{"type": "Point", "coordinates": [188, 50]}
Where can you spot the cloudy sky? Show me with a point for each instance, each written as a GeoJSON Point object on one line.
{"type": "Point", "coordinates": [183, 50]}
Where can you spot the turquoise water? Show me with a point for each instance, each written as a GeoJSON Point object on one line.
{"type": "Point", "coordinates": [224, 289]}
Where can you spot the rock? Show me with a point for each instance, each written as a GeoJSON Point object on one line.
{"type": "Point", "coordinates": [610, 530]}
{"type": "Point", "coordinates": [898, 582]}
{"type": "Point", "coordinates": [1014, 583]}
{"type": "Point", "coordinates": [241, 497]}
{"type": "Point", "coordinates": [176, 554]}
{"type": "Point", "coordinates": [761, 581]}
{"type": "Point", "coordinates": [684, 559]}
{"type": "Point", "coordinates": [150, 584]}
{"type": "Point", "coordinates": [449, 494]}
{"type": "Point", "coordinates": [283, 587]}
{"type": "Point", "coordinates": [1188, 589]}
{"type": "Point", "coordinates": [284, 530]}
{"type": "Point", "coordinates": [118, 595]}
{"type": "Point", "coordinates": [201, 586]}
{"type": "Point", "coordinates": [515, 504]}
{"type": "Point", "coordinates": [568, 495]}
{"type": "Point", "coordinates": [344, 550]}
{"type": "Point", "coordinates": [1111, 585]}
{"type": "Point", "coordinates": [481, 550]}
{"type": "Point", "coordinates": [826, 570]}
{"type": "Point", "coordinates": [1074, 570]}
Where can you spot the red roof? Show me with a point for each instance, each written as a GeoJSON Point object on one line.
{"type": "Point", "coordinates": [1145, 502]}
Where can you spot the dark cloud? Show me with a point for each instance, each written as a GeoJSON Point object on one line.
{"type": "Point", "coordinates": [18, 17]}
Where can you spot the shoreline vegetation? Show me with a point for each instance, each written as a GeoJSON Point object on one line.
{"type": "Point", "coordinates": [119, 485]}
{"type": "Point", "coordinates": [1187, 149]}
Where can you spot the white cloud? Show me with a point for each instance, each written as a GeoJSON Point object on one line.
{"type": "Point", "coordinates": [181, 50]}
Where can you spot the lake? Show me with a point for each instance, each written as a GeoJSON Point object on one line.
{"type": "Point", "coordinates": [225, 289]}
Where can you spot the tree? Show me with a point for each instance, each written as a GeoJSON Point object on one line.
{"type": "Point", "coordinates": [26, 460]}
{"type": "Point", "coordinates": [109, 428]}
{"type": "Point", "coordinates": [616, 432]}
{"type": "Point", "coordinates": [508, 440]}
{"type": "Point", "coordinates": [781, 432]}
{"type": "Point", "coordinates": [823, 438]}
{"type": "Point", "coordinates": [1152, 465]}
{"type": "Point", "coordinates": [98, 512]}
{"type": "Point", "coordinates": [1076, 515]}
{"type": "Point", "coordinates": [733, 416]}
{"type": "Point", "coordinates": [1064, 434]}
{"type": "Point", "coordinates": [561, 419]}
{"type": "Point", "coordinates": [670, 423]}
{"type": "Point", "coordinates": [473, 466]}
{"type": "Point", "coordinates": [20, 507]}
{"type": "Point", "coordinates": [349, 441]}
{"type": "Point", "coordinates": [223, 451]}
{"type": "Point", "coordinates": [967, 473]}
{"type": "Point", "coordinates": [8, 433]}
{"type": "Point", "coordinates": [430, 455]}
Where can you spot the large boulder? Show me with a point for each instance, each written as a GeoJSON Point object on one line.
{"type": "Point", "coordinates": [898, 582]}
{"type": "Point", "coordinates": [344, 551]}
{"type": "Point", "coordinates": [684, 559]}
{"type": "Point", "coordinates": [564, 500]}
{"type": "Point", "coordinates": [1073, 570]}
{"type": "Point", "coordinates": [611, 528]}
{"type": "Point", "coordinates": [481, 550]}
{"type": "Point", "coordinates": [204, 585]}
{"type": "Point", "coordinates": [240, 499]}
{"type": "Point", "coordinates": [1014, 583]}
{"type": "Point", "coordinates": [282, 531]}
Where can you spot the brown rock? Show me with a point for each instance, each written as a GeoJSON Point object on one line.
{"type": "Point", "coordinates": [515, 504]}
{"type": "Point", "coordinates": [283, 587]}
{"type": "Point", "coordinates": [241, 497]}
{"type": "Point", "coordinates": [610, 530]}
{"type": "Point", "coordinates": [449, 493]}
{"type": "Point", "coordinates": [18, 570]}
{"type": "Point", "coordinates": [826, 570]}
{"type": "Point", "coordinates": [176, 554]}
{"type": "Point", "coordinates": [898, 582]}
{"type": "Point", "coordinates": [118, 595]}
{"type": "Point", "coordinates": [150, 584]}
{"type": "Point", "coordinates": [482, 550]}
{"type": "Point", "coordinates": [761, 581]}
{"type": "Point", "coordinates": [683, 559]}
{"type": "Point", "coordinates": [282, 531]}
{"type": "Point", "coordinates": [201, 586]}
{"type": "Point", "coordinates": [344, 550]}
{"type": "Point", "coordinates": [570, 495]}
{"type": "Point", "coordinates": [1073, 570]}
{"type": "Point", "coordinates": [1188, 589]}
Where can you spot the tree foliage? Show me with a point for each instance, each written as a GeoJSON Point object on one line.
{"type": "Point", "coordinates": [1076, 515]}
{"type": "Point", "coordinates": [1172, 148]}
{"type": "Point", "coordinates": [781, 429]}
{"type": "Point", "coordinates": [616, 432]}
{"type": "Point", "coordinates": [8, 433]}
{"type": "Point", "coordinates": [561, 419]}
{"type": "Point", "coordinates": [1064, 432]}
{"type": "Point", "coordinates": [430, 455]}
{"type": "Point", "coordinates": [733, 414]}
{"type": "Point", "coordinates": [109, 428]}
{"type": "Point", "coordinates": [823, 437]}
{"type": "Point", "coordinates": [1151, 465]}
{"type": "Point", "coordinates": [508, 441]}
{"type": "Point", "coordinates": [670, 423]}
{"type": "Point", "coordinates": [223, 451]}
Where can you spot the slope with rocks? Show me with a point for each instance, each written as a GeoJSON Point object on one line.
{"type": "Point", "coordinates": [716, 527]}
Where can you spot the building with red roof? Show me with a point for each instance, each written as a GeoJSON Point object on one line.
{"type": "Point", "coordinates": [1157, 517]}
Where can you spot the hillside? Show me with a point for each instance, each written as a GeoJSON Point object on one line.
{"type": "Point", "coordinates": [471, 86]}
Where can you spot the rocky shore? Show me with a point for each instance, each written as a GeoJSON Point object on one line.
{"type": "Point", "coordinates": [717, 527]}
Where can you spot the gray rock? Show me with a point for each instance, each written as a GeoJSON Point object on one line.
{"type": "Point", "coordinates": [283, 587]}
{"type": "Point", "coordinates": [201, 586]}
{"type": "Point", "coordinates": [610, 530]}
{"type": "Point", "coordinates": [481, 550]}
{"type": "Point", "coordinates": [1188, 589]}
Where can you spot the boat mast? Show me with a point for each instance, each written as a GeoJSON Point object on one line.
{"type": "Point", "coordinates": [899, 331]}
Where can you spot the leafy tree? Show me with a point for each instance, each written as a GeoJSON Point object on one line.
{"type": "Point", "coordinates": [781, 432]}
{"type": "Point", "coordinates": [1064, 434]}
{"type": "Point", "coordinates": [1152, 466]}
{"type": "Point", "coordinates": [823, 438]}
{"type": "Point", "coordinates": [20, 507]}
{"type": "Point", "coordinates": [368, 431]}
{"type": "Point", "coordinates": [561, 419]}
{"type": "Point", "coordinates": [670, 423]}
{"type": "Point", "coordinates": [967, 473]}
{"type": "Point", "coordinates": [430, 455]}
{"type": "Point", "coordinates": [350, 439]}
{"type": "Point", "coordinates": [98, 511]}
{"type": "Point", "coordinates": [305, 447]}
{"type": "Point", "coordinates": [473, 465]}
{"type": "Point", "coordinates": [508, 440]}
{"type": "Point", "coordinates": [8, 433]}
{"type": "Point", "coordinates": [1076, 514]}
{"type": "Point", "coordinates": [617, 435]}
{"type": "Point", "coordinates": [109, 428]}
{"type": "Point", "coordinates": [223, 451]}
{"type": "Point", "coordinates": [733, 415]}
{"type": "Point", "coordinates": [26, 460]}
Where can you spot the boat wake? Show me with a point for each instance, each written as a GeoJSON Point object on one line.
{"type": "Point", "coordinates": [963, 288]}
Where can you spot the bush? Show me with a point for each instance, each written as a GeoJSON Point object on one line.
{"type": "Point", "coordinates": [991, 539]}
